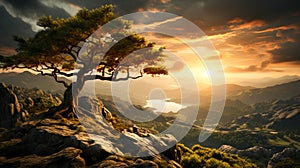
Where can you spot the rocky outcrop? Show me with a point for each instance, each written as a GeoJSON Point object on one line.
{"type": "Point", "coordinates": [137, 142]}
{"type": "Point", "coordinates": [289, 156]}
{"type": "Point", "coordinates": [254, 153]}
{"type": "Point", "coordinates": [49, 140]}
{"type": "Point", "coordinates": [286, 158]}
{"type": "Point", "coordinates": [68, 157]}
{"type": "Point", "coordinates": [10, 110]}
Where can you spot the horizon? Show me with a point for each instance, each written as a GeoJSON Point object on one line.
{"type": "Point", "coordinates": [260, 82]}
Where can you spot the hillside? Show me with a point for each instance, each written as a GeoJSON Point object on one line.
{"type": "Point", "coordinates": [281, 91]}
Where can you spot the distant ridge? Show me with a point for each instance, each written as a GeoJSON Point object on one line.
{"type": "Point", "coordinates": [280, 91]}
{"type": "Point", "coordinates": [29, 80]}
{"type": "Point", "coordinates": [266, 82]}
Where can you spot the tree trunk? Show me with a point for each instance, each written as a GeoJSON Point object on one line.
{"type": "Point", "coordinates": [68, 99]}
{"type": "Point", "coordinates": [66, 109]}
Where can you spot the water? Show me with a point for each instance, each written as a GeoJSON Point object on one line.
{"type": "Point", "coordinates": [163, 105]}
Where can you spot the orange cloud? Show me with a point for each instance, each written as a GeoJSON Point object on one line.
{"type": "Point", "coordinates": [263, 67]}
{"type": "Point", "coordinates": [235, 20]}
{"type": "Point", "coordinates": [164, 1]}
{"type": "Point", "coordinates": [278, 28]}
{"type": "Point", "coordinates": [247, 25]}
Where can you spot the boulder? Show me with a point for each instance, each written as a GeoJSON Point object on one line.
{"type": "Point", "coordinates": [10, 110]}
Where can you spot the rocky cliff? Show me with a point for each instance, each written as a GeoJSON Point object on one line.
{"type": "Point", "coordinates": [10, 110]}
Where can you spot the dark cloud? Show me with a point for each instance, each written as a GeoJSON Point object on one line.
{"type": "Point", "coordinates": [122, 7]}
{"type": "Point", "coordinates": [34, 8]}
{"type": "Point", "coordinates": [19, 18]}
{"type": "Point", "coordinates": [12, 26]}
{"type": "Point", "coordinates": [216, 12]}
{"type": "Point", "coordinates": [287, 52]}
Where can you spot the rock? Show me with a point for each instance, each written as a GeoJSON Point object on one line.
{"type": "Point", "coordinates": [68, 157]}
{"type": "Point", "coordinates": [288, 154]}
{"type": "Point", "coordinates": [57, 142]}
{"type": "Point", "coordinates": [10, 111]}
{"type": "Point", "coordinates": [29, 102]}
{"type": "Point", "coordinates": [255, 153]}
{"type": "Point", "coordinates": [139, 142]}
{"type": "Point", "coordinates": [142, 132]}
{"type": "Point", "coordinates": [146, 163]}
{"type": "Point", "coordinates": [228, 149]}
{"type": "Point", "coordinates": [53, 143]}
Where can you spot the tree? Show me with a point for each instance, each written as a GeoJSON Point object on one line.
{"type": "Point", "coordinates": [55, 51]}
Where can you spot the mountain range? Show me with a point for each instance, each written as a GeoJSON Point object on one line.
{"type": "Point", "coordinates": [139, 89]}
{"type": "Point", "coordinates": [267, 81]}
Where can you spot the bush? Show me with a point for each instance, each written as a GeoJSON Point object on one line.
{"type": "Point", "coordinates": [200, 156]}
{"type": "Point", "coordinates": [192, 161]}
{"type": "Point", "coordinates": [214, 163]}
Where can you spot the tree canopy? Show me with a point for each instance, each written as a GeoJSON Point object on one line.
{"type": "Point", "coordinates": [55, 50]}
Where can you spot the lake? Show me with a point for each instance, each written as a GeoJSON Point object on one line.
{"type": "Point", "coordinates": [163, 105]}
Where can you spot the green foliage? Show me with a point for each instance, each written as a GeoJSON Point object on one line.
{"type": "Point", "coordinates": [192, 161]}
{"type": "Point", "coordinates": [46, 102]}
{"type": "Point", "coordinates": [80, 128]}
{"type": "Point", "coordinates": [214, 163]}
{"type": "Point", "coordinates": [200, 156]}
{"type": "Point", "coordinates": [156, 70]}
{"type": "Point", "coordinates": [238, 139]}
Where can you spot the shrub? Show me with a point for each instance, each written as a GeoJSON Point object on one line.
{"type": "Point", "coordinates": [192, 161]}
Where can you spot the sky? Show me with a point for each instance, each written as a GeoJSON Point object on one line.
{"type": "Point", "coordinates": [253, 39]}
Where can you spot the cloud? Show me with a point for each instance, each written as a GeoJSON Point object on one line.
{"type": "Point", "coordinates": [70, 8]}
{"type": "Point", "coordinates": [11, 26]}
{"type": "Point", "coordinates": [241, 30]}
{"type": "Point", "coordinates": [29, 11]}
{"type": "Point", "coordinates": [272, 29]}
{"type": "Point", "coordinates": [252, 68]}
{"type": "Point", "coordinates": [247, 25]}
{"type": "Point", "coordinates": [287, 52]}
{"type": "Point", "coordinates": [6, 51]}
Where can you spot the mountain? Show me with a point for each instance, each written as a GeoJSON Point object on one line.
{"type": "Point", "coordinates": [282, 91]}
{"type": "Point", "coordinates": [279, 115]}
{"type": "Point", "coordinates": [29, 80]}
{"type": "Point", "coordinates": [265, 82]}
